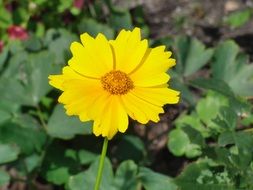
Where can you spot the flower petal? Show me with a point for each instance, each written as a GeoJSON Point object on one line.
{"type": "Point", "coordinates": [155, 65]}
{"type": "Point", "coordinates": [57, 81]}
{"type": "Point", "coordinates": [151, 80]}
{"type": "Point", "coordinates": [157, 96]}
{"type": "Point", "coordinates": [93, 58]}
{"type": "Point", "coordinates": [79, 95]}
{"type": "Point", "coordinates": [141, 110]}
{"type": "Point", "coordinates": [128, 50]}
{"type": "Point", "coordinates": [111, 118]}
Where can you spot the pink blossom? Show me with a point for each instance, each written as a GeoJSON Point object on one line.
{"type": "Point", "coordinates": [17, 32]}
{"type": "Point", "coordinates": [78, 4]}
{"type": "Point", "coordinates": [1, 46]}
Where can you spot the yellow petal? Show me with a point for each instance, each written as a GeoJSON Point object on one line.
{"type": "Point", "coordinates": [128, 50]}
{"type": "Point", "coordinates": [141, 110]}
{"type": "Point", "coordinates": [157, 96]}
{"type": "Point", "coordinates": [156, 63]}
{"type": "Point", "coordinates": [94, 58]}
{"type": "Point", "coordinates": [151, 80]}
{"type": "Point", "coordinates": [57, 81]}
{"type": "Point", "coordinates": [75, 89]}
{"type": "Point", "coordinates": [79, 95]}
{"type": "Point", "coordinates": [110, 118]}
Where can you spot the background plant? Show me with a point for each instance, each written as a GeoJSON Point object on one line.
{"type": "Point", "coordinates": [209, 144]}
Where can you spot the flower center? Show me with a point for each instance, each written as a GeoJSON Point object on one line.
{"type": "Point", "coordinates": [117, 82]}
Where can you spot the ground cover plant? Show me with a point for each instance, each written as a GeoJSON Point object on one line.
{"type": "Point", "coordinates": [203, 142]}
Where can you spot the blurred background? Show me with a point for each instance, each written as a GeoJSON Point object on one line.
{"type": "Point", "coordinates": [205, 142]}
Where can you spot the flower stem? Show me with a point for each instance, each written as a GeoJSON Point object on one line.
{"type": "Point", "coordinates": [101, 164]}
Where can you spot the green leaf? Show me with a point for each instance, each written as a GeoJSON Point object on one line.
{"type": "Point", "coordinates": [178, 142]}
{"type": "Point", "coordinates": [58, 42]}
{"type": "Point", "coordinates": [114, 9]}
{"type": "Point", "coordinates": [59, 164]}
{"type": "Point", "coordinates": [92, 27]}
{"type": "Point", "coordinates": [197, 57]}
{"type": "Point", "coordinates": [213, 84]}
{"type": "Point", "coordinates": [38, 68]}
{"type": "Point", "coordinates": [238, 18]}
{"type": "Point", "coordinates": [197, 142]}
{"type": "Point", "coordinates": [58, 176]}
{"type": "Point", "coordinates": [208, 108]}
{"type": "Point", "coordinates": [244, 142]}
{"type": "Point", "coordinates": [243, 155]}
{"type": "Point", "coordinates": [225, 56]}
{"type": "Point", "coordinates": [32, 162]}
{"type": "Point", "coordinates": [33, 43]}
{"type": "Point", "coordinates": [25, 81]}
{"type": "Point", "coordinates": [198, 176]}
{"type": "Point", "coordinates": [191, 55]}
{"type": "Point", "coordinates": [194, 121]}
{"type": "Point", "coordinates": [4, 178]}
{"type": "Point", "coordinates": [229, 116]}
{"type": "Point", "coordinates": [232, 67]}
{"type": "Point", "coordinates": [8, 153]}
{"type": "Point", "coordinates": [152, 180]}
{"type": "Point", "coordinates": [185, 141]}
{"type": "Point", "coordinates": [126, 176]}
{"type": "Point", "coordinates": [134, 145]}
{"type": "Point", "coordinates": [3, 57]}
{"type": "Point", "coordinates": [177, 84]}
{"type": "Point", "coordinates": [248, 120]}
{"type": "Point", "coordinates": [27, 139]}
{"type": "Point", "coordinates": [4, 115]}
{"type": "Point", "coordinates": [226, 138]}
{"type": "Point", "coordinates": [121, 21]}
{"type": "Point", "coordinates": [15, 46]}
{"type": "Point", "coordinates": [8, 110]}
{"type": "Point", "coordinates": [86, 180]}
{"type": "Point", "coordinates": [66, 127]}
{"type": "Point", "coordinates": [193, 150]}
{"type": "Point", "coordinates": [86, 157]}
{"type": "Point", "coordinates": [63, 5]}
{"type": "Point", "coordinates": [5, 17]}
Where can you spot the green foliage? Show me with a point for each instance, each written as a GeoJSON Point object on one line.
{"type": "Point", "coordinates": [238, 18]}
{"type": "Point", "coordinates": [5, 17]}
{"type": "Point", "coordinates": [59, 164]}
{"type": "Point", "coordinates": [231, 66]}
{"type": "Point", "coordinates": [128, 176]}
{"type": "Point", "coordinates": [136, 148]}
{"type": "Point", "coordinates": [191, 55]}
{"type": "Point", "coordinates": [152, 180]}
{"type": "Point", "coordinates": [4, 178]}
{"type": "Point", "coordinates": [180, 143]}
{"type": "Point", "coordinates": [62, 126]}
{"type": "Point", "coordinates": [86, 180]}
{"type": "Point", "coordinates": [200, 176]}
{"type": "Point", "coordinates": [8, 153]}
{"type": "Point", "coordinates": [92, 27]}
{"type": "Point", "coordinates": [211, 130]}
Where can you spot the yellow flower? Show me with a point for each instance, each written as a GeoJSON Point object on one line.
{"type": "Point", "coordinates": [107, 81]}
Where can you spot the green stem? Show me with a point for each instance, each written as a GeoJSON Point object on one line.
{"type": "Point", "coordinates": [101, 164]}
{"type": "Point", "coordinates": [43, 123]}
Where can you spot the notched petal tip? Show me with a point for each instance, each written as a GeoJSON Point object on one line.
{"type": "Point", "coordinates": [137, 29]}
{"type": "Point", "coordinates": [172, 62]}
{"type": "Point", "coordinates": [75, 46]}
{"type": "Point", "coordinates": [86, 38]}
{"type": "Point", "coordinates": [101, 36]}
{"type": "Point", "coordinates": [56, 81]}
